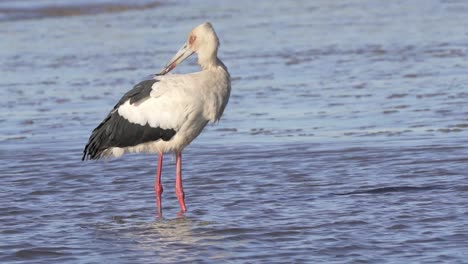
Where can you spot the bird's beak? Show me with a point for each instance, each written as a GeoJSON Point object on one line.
{"type": "Point", "coordinates": [180, 56]}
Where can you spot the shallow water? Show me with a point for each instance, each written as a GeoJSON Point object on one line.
{"type": "Point", "coordinates": [344, 139]}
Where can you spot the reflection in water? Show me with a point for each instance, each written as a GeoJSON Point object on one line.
{"type": "Point", "coordinates": [170, 240]}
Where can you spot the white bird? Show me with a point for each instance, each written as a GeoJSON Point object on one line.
{"type": "Point", "coordinates": [166, 113]}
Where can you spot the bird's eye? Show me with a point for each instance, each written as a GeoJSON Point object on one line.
{"type": "Point", "coordinates": [192, 39]}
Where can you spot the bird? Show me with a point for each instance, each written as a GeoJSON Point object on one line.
{"type": "Point", "coordinates": [166, 112]}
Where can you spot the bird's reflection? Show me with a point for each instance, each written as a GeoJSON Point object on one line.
{"type": "Point", "coordinates": [172, 238]}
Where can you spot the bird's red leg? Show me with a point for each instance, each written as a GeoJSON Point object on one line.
{"type": "Point", "coordinates": [157, 184]}
{"type": "Point", "coordinates": [179, 189]}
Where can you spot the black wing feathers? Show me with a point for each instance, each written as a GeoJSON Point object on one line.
{"type": "Point", "coordinates": [139, 92]}
{"type": "Point", "coordinates": [116, 131]}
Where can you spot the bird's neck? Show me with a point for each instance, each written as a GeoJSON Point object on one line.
{"type": "Point", "coordinates": [207, 62]}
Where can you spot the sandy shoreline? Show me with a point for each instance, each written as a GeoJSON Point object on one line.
{"type": "Point", "coordinates": [14, 13]}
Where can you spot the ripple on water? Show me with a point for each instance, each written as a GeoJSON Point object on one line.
{"type": "Point", "coordinates": [336, 146]}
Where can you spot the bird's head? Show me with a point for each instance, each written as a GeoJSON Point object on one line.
{"type": "Point", "coordinates": [201, 40]}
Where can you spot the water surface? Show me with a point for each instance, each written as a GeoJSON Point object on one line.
{"type": "Point", "coordinates": [344, 139]}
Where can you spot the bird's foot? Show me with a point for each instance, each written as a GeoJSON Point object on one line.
{"type": "Point", "coordinates": [181, 215]}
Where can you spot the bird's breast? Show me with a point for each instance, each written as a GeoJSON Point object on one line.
{"type": "Point", "coordinates": [215, 94]}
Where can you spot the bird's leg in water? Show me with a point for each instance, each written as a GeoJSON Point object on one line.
{"type": "Point", "coordinates": [179, 189]}
{"type": "Point", "coordinates": [158, 186]}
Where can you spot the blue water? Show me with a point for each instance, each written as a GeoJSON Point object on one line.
{"type": "Point", "coordinates": [344, 140]}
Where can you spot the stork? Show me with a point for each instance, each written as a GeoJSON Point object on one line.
{"type": "Point", "coordinates": [164, 114]}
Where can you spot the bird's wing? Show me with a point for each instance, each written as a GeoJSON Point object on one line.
{"type": "Point", "coordinates": [152, 110]}
{"type": "Point", "coordinates": [168, 105]}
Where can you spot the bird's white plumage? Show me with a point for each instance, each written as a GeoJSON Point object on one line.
{"type": "Point", "coordinates": [167, 107]}
{"type": "Point", "coordinates": [175, 97]}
